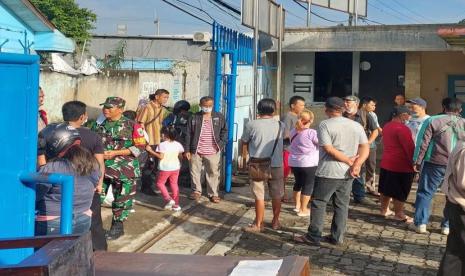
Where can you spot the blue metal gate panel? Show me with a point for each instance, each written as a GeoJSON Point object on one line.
{"type": "Point", "coordinates": [18, 133]}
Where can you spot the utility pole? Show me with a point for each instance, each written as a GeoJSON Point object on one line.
{"type": "Point", "coordinates": [278, 71]}
{"type": "Point", "coordinates": [157, 21]}
{"type": "Point", "coordinates": [309, 12]}
{"type": "Point", "coordinates": [255, 58]}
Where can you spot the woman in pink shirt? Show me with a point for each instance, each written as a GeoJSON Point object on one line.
{"type": "Point", "coordinates": [396, 168]}
{"type": "Point", "coordinates": [303, 159]}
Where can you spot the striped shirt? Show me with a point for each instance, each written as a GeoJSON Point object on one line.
{"type": "Point", "coordinates": [153, 127]}
{"type": "Point", "coordinates": [207, 144]}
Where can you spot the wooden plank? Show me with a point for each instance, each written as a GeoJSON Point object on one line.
{"type": "Point", "coordinates": [134, 264]}
{"type": "Point", "coordinates": [35, 242]}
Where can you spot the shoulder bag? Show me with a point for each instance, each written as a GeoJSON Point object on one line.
{"type": "Point", "coordinates": [260, 168]}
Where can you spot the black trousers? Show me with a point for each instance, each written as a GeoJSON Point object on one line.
{"type": "Point", "coordinates": [453, 261]}
{"type": "Point", "coordinates": [99, 242]}
{"type": "Point", "coordinates": [149, 173]}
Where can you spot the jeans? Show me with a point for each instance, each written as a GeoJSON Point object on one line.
{"type": "Point", "coordinates": [358, 186]}
{"type": "Point", "coordinates": [453, 261]}
{"type": "Point", "coordinates": [81, 224]}
{"type": "Point", "coordinates": [431, 178]}
{"type": "Point", "coordinates": [326, 189]}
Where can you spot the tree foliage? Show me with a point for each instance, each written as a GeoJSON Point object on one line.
{"type": "Point", "coordinates": [113, 60]}
{"type": "Point", "coordinates": [462, 21]}
{"type": "Point", "coordinates": [69, 18]}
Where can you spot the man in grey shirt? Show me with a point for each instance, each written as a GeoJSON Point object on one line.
{"type": "Point", "coordinates": [344, 148]}
{"type": "Point", "coordinates": [259, 139]}
{"type": "Point", "coordinates": [296, 105]}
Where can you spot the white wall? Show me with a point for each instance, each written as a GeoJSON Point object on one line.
{"type": "Point", "coordinates": [297, 63]}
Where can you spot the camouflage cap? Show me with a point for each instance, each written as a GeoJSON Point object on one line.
{"type": "Point", "coordinates": [114, 102]}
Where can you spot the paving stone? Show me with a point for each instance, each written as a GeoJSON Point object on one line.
{"type": "Point", "coordinates": [373, 246]}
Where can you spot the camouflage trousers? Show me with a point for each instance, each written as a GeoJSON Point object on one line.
{"type": "Point", "coordinates": [124, 191]}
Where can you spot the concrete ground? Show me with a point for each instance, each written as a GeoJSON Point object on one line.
{"type": "Point", "coordinates": [373, 245]}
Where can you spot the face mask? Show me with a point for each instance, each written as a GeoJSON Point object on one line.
{"type": "Point", "coordinates": [206, 109]}
{"type": "Point", "coordinates": [85, 121]}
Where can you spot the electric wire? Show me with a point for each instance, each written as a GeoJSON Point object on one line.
{"type": "Point", "coordinates": [398, 12]}
{"type": "Point", "coordinates": [228, 6]}
{"type": "Point", "coordinates": [317, 15]}
{"type": "Point", "coordinates": [185, 11]}
{"type": "Point", "coordinates": [219, 7]}
{"type": "Point", "coordinates": [197, 8]}
{"type": "Point", "coordinates": [413, 12]}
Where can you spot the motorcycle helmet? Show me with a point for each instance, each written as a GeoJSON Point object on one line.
{"type": "Point", "coordinates": [56, 139]}
{"type": "Point", "coordinates": [181, 105]}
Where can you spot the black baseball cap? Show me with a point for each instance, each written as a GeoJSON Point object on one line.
{"type": "Point", "coordinates": [335, 103]}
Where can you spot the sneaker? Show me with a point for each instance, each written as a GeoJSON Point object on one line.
{"type": "Point", "coordinates": [445, 231]}
{"type": "Point", "coordinates": [169, 205]}
{"type": "Point", "coordinates": [365, 201]}
{"type": "Point", "coordinates": [176, 208]}
{"type": "Point", "coordinates": [420, 229]}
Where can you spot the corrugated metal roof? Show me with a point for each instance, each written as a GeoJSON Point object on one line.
{"type": "Point", "coordinates": [453, 35]}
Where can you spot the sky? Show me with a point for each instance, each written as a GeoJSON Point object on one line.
{"type": "Point", "coordinates": [139, 15]}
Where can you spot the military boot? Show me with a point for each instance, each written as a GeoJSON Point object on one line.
{"type": "Point", "coordinates": [116, 230]}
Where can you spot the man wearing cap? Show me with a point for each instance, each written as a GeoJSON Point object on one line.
{"type": "Point", "coordinates": [436, 139]}
{"type": "Point", "coordinates": [344, 149]}
{"type": "Point", "coordinates": [418, 109]}
{"type": "Point", "coordinates": [121, 164]}
{"type": "Point", "coordinates": [151, 117]}
{"type": "Point", "coordinates": [371, 130]}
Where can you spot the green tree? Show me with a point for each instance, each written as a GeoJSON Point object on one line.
{"type": "Point", "coordinates": [69, 18]}
{"type": "Point", "coordinates": [113, 60]}
{"type": "Point", "coordinates": [462, 21]}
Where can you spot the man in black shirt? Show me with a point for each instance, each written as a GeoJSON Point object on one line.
{"type": "Point", "coordinates": [371, 129]}
{"type": "Point", "coordinates": [75, 114]}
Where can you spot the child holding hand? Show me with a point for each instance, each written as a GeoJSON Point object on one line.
{"type": "Point", "coordinates": [169, 152]}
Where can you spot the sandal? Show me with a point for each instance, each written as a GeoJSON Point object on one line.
{"type": "Point", "coordinates": [253, 228]}
{"type": "Point", "coordinates": [215, 199]}
{"type": "Point", "coordinates": [388, 214]}
{"type": "Point", "coordinates": [406, 219]}
{"type": "Point", "coordinates": [306, 240]}
{"type": "Point", "coordinates": [195, 196]}
{"type": "Point", "coordinates": [299, 214]}
{"type": "Point", "coordinates": [275, 226]}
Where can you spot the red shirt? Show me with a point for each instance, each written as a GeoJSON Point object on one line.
{"type": "Point", "coordinates": [398, 148]}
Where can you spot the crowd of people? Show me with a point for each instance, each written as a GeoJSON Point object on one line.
{"type": "Point", "coordinates": [329, 162]}
{"type": "Point", "coordinates": [338, 159]}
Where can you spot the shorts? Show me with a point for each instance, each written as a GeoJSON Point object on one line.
{"type": "Point", "coordinates": [275, 185]}
{"type": "Point", "coordinates": [395, 184]}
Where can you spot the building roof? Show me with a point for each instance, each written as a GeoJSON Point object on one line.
{"type": "Point", "coordinates": [45, 35]}
{"type": "Point", "coordinates": [368, 38]}
{"type": "Point", "coordinates": [29, 14]}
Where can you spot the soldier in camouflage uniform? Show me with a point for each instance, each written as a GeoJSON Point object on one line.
{"type": "Point", "coordinates": [121, 165]}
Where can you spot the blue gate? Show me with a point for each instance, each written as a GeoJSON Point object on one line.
{"type": "Point", "coordinates": [19, 85]}
{"type": "Point", "coordinates": [19, 78]}
{"type": "Point", "coordinates": [239, 49]}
